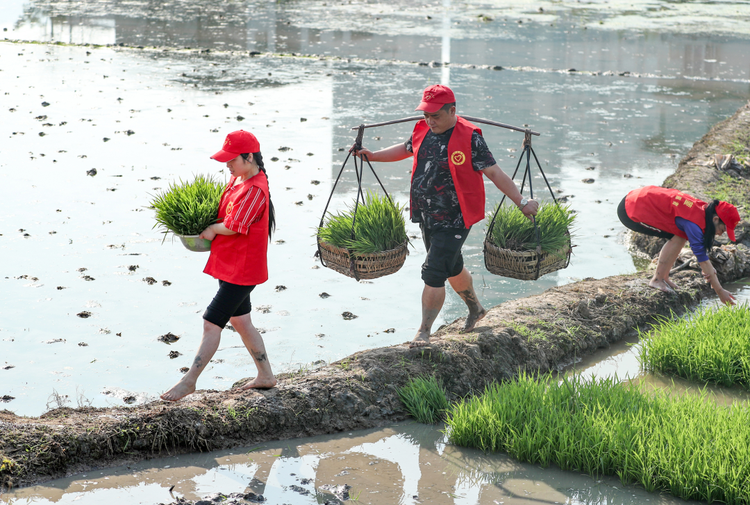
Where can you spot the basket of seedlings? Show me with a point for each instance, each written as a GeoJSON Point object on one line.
{"type": "Point", "coordinates": [366, 241]}
{"type": "Point", "coordinates": [187, 208]}
{"type": "Point", "coordinates": [520, 248]}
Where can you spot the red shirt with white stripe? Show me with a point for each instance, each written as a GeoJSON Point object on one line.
{"type": "Point", "coordinates": [241, 258]}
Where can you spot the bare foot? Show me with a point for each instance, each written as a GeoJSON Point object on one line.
{"type": "Point", "coordinates": [179, 390]}
{"type": "Point", "coordinates": [671, 284]}
{"type": "Point", "coordinates": [473, 319]}
{"type": "Point", "coordinates": [421, 340]}
{"type": "Point", "coordinates": [661, 285]}
{"type": "Point", "coordinates": [259, 383]}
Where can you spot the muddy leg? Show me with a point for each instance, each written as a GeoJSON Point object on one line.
{"type": "Point", "coordinates": [464, 286]}
{"type": "Point", "coordinates": [209, 344]}
{"type": "Point", "coordinates": [667, 257]}
{"type": "Point", "coordinates": [432, 302]}
{"type": "Point", "coordinates": [254, 344]}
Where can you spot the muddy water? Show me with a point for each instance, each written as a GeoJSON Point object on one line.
{"type": "Point", "coordinates": [76, 245]}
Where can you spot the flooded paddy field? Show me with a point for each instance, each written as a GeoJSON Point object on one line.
{"type": "Point", "coordinates": [89, 133]}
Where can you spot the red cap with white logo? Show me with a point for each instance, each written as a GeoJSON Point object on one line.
{"type": "Point", "coordinates": [434, 97]}
{"type": "Point", "coordinates": [236, 143]}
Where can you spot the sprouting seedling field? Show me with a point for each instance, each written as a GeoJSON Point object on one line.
{"type": "Point", "coordinates": [379, 226]}
{"type": "Point", "coordinates": [713, 345]}
{"type": "Point", "coordinates": [514, 231]}
{"type": "Point", "coordinates": [188, 208]}
{"type": "Point", "coordinates": [687, 446]}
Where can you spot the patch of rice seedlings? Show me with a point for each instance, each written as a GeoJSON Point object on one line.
{"type": "Point", "coordinates": [188, 208]}
{"type": "Point", "coordinates": [713, 345]}
{"type": "Point", "coordinates": [425, 399]}
{"type": "Point", "coordinates": [379, 226]}
{"type": "Point", "coordinates": [514, 231]}
{"type": "Point", "coordinates": [687, 446]}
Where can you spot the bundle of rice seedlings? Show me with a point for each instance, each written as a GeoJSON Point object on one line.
{"type": "Point", "coordinates": [188, 208]}
{"type": "Point", "coordinates": [514, 231]}
{"type": "Point", "coordinates": [379, 226]}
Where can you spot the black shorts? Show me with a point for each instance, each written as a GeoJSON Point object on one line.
{"type": "Point", "coordinates": [640, 227]}
{"type": "Point", "coordinates": [230, 301]}
{"type": "Point", "coordinates": [444, 258]}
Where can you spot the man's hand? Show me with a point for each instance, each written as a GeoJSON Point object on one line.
{"type": "Point", "coordinates": [362, 151]}
{"type": "Point", "coordinates": [530, 209]}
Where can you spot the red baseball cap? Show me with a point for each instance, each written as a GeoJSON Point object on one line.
{"type": "Point", "coordinates": [237, 143]}
{"type": "Point", "coordinates": [729, 216]}
{"type": "Point", "coordinates": [434, 97]}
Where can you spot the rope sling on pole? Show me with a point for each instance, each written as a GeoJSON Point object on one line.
{"type": "Point", "coordinates": [342, 260]}
{"type": "Point", "coordinates": [525, 265]}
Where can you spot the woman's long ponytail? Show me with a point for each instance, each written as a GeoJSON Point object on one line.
{"type": "Point", "coordinates": [271, 212]}
{"type": "Point", "coordinates": [710, 232]}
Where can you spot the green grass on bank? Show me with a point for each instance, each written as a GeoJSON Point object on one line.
{"type": "Point", "coordinates": [686, 446]}
{"type": "Point", "coordinates": [713, 345]}
{"type": "Point", "coordinates": [379, 226]}
{"type": "Point", "coordinates": [425, 399]}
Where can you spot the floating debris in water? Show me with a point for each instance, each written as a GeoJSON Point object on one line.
{"type": "Point", "coordinates": [284, 148]}
{"type": "Point", "coordinates": [82, 344]}
{"type": "Point", "coordinates": [348, 316]}
{"type": "Point", "coordinates": [133, 268]}
{"type": "Point", "coordinates": [280, 288]}
{"type": "Point", "coordinates": [7, 398]}
{"type": "Point", "coordinates": [324, 295]}
{"type": "Point", "coordinates": [87, 278]}
{"type": "Point", "coordinates": [184, 369]}
{"type": "Point", "coordinates": [174, 354]}
{"type": "Point", "coordinates": [263, 309]}
{"type": "Point", "coordinates": [85, 314]}
{"type": "Point", "coordinates": [166, 283]}
{"type": "Point", "coordinates": [168, 338]}
{"type": "Point", "coordinates": [129, 399]}
{"type": "Point", "coordinates": [314, 182]}
{"type": "Point", "coordinates": [587, 181]}
{"type": "Point", "coordinates": [8, 367]}
{"type": "Point", "coordinates": [390, 330]}
{"type": "Point", "coordinates": [149, 280]}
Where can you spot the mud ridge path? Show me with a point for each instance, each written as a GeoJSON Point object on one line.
{"type": "Point", "coordinates": [541, 333]}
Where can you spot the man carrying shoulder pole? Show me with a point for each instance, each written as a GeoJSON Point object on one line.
{"type": "Point", "coordinates": [447, 198]}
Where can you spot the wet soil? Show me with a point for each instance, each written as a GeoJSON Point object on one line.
{"type": "Point", "coordinates": [536, 334]}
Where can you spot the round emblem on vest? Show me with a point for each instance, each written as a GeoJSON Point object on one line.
{"type": "Point", "coordinates": [458, 158]}
{"type": "Point", "coordinates": [230, 206]}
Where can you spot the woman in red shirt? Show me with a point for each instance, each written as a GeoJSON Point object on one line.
{"type": "Point", "coordinates": [678, 217]}
{"type": "Point", "coordinates": [238, 260]}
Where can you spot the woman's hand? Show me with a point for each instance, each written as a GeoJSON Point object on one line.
{"type": "Point", "coordinates": [208, 233]}
{"type": "Point", "coordinates": [362, 151]}
{"type": "Point", "coordinates": [725, 297]}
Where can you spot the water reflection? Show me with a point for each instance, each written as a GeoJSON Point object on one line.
{"type": "Point", "coordinates": [694, 39]}
{"type": "Point", "coordinates": [407, 463]}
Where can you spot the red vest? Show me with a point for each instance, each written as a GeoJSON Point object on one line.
{"type": "Point", "coordinates": [658, 207]}
{"type": "Point", "coordinates": [241, 259]}
{"type": "Point", "coordinates": [469, 183]}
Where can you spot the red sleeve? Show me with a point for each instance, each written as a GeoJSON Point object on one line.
{"type": "Point", "coordinates": [247, 211]}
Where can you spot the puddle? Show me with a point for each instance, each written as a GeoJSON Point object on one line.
{"type": "Point", "coordinates": [407, 463]}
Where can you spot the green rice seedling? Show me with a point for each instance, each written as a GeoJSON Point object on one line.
{"type": "Point", "coordinates": [188, 208]}
{"type": "Point", "coordinates": [514, 231]}
{"type": "Point", "coordinates": [687, 446]}
{"type": "Point", "coordinates": [379, 226]}
{"type": "Point", "coordinates": [425, 399]}
{"type": "Point", "coordinates": [713, 345]}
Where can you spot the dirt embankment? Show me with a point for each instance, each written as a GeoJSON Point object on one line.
{"type": "Point", "coordinates": [540, 333]}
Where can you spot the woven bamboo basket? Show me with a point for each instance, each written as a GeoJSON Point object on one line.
{"type": "Point", "coordinates": [524, 265]}
{"type": "Point", "coordinates": [363, 266]}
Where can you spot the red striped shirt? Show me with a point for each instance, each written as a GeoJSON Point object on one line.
{"type": "Point", "coordinates": [246, 209]}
